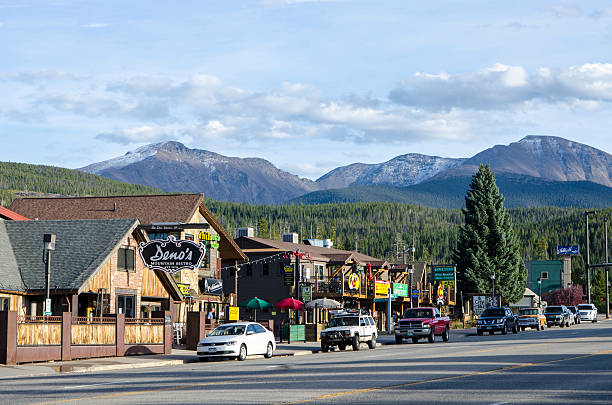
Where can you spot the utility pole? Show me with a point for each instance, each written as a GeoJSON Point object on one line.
{"type": "Point", "coordinates": [48, 246]}
{"type": "Point", "coordinates": [607, 269]}
{"type": "Point", "coordinates": [588, 260]}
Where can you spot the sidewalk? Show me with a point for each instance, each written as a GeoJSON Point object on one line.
{"type": "Point", "coordinates": [177, 357]}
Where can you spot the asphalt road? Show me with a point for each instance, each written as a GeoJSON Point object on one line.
{"type": "Point", "coordinates": [569, 365]}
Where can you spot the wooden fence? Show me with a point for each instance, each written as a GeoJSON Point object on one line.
{"type": "Point", "coordinates": [66, 337]}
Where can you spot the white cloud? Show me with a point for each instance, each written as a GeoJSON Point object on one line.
{"type": "Point", "coordinates": [94, 25]}
{"type": "Point", "coordinates": [502, 86]}
{"type": "Point", "coordinates": [140, 134]}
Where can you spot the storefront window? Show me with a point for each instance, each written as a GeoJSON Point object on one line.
{"type": "Point", "coordinates": [4, 303]}
{"type": "Point", "coordinates": [126, 304]}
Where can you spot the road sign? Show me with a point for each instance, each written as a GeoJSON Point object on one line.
{"type": "Point", "coordinates": [48, 307]}
{"type": "Point", "coordinates": [443, 272]}
{"type": "Point", "coordinates": [415, 293]}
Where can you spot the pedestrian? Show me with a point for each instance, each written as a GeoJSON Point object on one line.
{"type": "Point", "coordinates": [210, 316]}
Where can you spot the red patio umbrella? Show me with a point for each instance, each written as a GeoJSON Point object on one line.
{"type": "Point", "coordinates": [290, 303]}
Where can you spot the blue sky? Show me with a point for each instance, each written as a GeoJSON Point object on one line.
{"type": "Point", "coordinates": [308, 85]}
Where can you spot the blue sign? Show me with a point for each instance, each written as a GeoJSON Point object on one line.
{"type": "Point", "coordinates": [415, 293]}
{"type": "Point", "coordinates": [568, 250]}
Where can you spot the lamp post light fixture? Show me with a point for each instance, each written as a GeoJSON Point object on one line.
{"type": "Point", "coordinates": [48, 246]}
{"type": "Point", "coordinates": [539, 292]}
{"type": "Point", "coordinates": [588, 262]}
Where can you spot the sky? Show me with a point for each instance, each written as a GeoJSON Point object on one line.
{"type": "Point", "coordinates": [309, 85]}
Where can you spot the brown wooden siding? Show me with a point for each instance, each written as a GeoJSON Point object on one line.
{"type": "Point", "coordinates": [41, 334]}
{"type": "Point", "coordinates": [93, 334]}
{"type": "Point", "coordinates": [144, 334]}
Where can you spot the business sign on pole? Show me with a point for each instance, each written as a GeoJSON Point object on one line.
{"type": "Point", "coordinates": [443, 272]}
{"type": "Point", "coordinates": [288, 275]}
{"type": "Point", "coordinates": [306, 293]}
{"type": "Point", "coordinates": [354, 282]}
{"type": "Point", "coordinates": [568, 250]}
{"type": "Point", "coordinates": [171, 255]}
{"type": "Point", "coordinates": [400, 289]}
{"type": "Point", "coordinates": [416, 293]}
{"type": "Point", "coordinates": [185, 289]}
{"type": "Point", "coordinates": [382, 287]}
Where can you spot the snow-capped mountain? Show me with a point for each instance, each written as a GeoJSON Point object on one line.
{"type": "Point", "coordinates": [171, 166]}
{"type": "Point", "coordinates": [546, 157]}
{"type": "Point", "coordinates": [401, 171]}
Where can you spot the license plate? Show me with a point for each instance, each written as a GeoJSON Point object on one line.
{"type": "Point", "coordinates": [212, 349]}
{"type": "Point", "coordinates": [409, 333]}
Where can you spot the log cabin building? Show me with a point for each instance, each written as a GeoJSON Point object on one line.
{"type": "Point", "coordinates": [94, 270]}
{"type": "Point", "coordinates": [184, 216]}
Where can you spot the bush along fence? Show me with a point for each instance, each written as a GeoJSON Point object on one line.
{"type": "Point", "coordinates": [26, 339]}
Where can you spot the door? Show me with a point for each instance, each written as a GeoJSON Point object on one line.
{"type": "Point", "coordinates": [262, 337]}
{"type": "Point", "coordinates": [253, 340]}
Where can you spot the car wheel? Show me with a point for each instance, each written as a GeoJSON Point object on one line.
{"type": "Point", "coordinates": [372, 342]}
{"type": "Point", "coordinates": [431, 337]}
{"type": "Point", "coordinates": [269, 350]}
{"type": "Point", "coordinates": [415, 340]}
{"type": "Point", "coordinates": [523, 328]}
{"type": "Point", "coordinates": [324, 347]}
{"type": "Point", "coordinates": [479, 332]}
{"type": "Point", "coordinates": [594, 320]}
{"type": "Point", "coordinates": [243, 353]}
{"type": "Point", "coordinates": [562, 324]}
{"type": "Point", "coordinates": [446, 335]}
{"type": "Point", "coordinates": [398, 340]}
{"type": "Point", "coordinates": [515, 329]}
{"type": "Point", "coordinates": [202, 358]}
{"type": "Point", "coordinates": [355, 342]}
{"type": "Point", "coordinates": [342, 346]}
{"type": "Point", "coordinates": [505, 329]}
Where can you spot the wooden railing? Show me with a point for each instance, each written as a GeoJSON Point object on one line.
{"type": "Point", "coordinates": [83, 320]}
{"type": "Point", "coordinates": [140, 331]}
{"type": "Point", "coordinates": [93, 330]}
{"type": "Point", "coordinates": [39, 330]}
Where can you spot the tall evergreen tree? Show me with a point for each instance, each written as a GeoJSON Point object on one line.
{"type": "Point", "coordinates": [487, 244]}
{"type": "Point", "coordinates": [263, 229]}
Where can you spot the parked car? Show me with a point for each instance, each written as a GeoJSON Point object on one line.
{"type": "Point", "coordinates": [418, 323]}
{"type": "Point", "coordinates": [497, 319]}
{"type": "Point", "coordinates": [558, 315]}
{"type": "Point", "coordinates": [349, 328]}
{"type": "Point", "coordinates": [531, 318]}
{"type": "Point", "coordinates": [237, 340]}
{"type": "Point", "coordinates": [588, 312]}
{"type": "Point", "coordinates": [576, 313]}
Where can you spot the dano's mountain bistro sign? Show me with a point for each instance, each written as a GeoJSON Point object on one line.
{"type": "Point", "coordinates": [172, 255]}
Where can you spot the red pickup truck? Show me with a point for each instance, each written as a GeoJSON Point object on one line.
{"type": "Point", "coordinates": [425, 322]}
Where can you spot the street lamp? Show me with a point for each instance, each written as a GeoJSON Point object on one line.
{"type": "Point", "coordinates": [569, 286]}
{"type": "Point", "coordinates": [48, 246]}
{"type": "Point", "coordinates": [493, 287]}
{"type": "Point", "coordinates": [539, 292]}
{"type": "Point", "coordinates": [410, 271]}
{"type": "Point", "coordinates": [588, 262]}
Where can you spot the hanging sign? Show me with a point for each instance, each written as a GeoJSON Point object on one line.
{"type": "Point", "coordinates": [382, 287]}
{"type": "Point", "coordinates": [185, 289]}
{"type": "Point", "coordinates": [288, 275]}
{"type": "Point", "coordinates": [171, 255]}
{"type": "Point", "coordinates": [354, 282]}
{"type": "Point", "coordinates": [306, 293]}
{"type": "Point", "coordinates": [400, 289]}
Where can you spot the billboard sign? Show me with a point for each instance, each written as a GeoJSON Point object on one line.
{"type": "Point", "coordinates": [382, 287]}
{"type": "Point", "coordinates": [568, 250]}
{"type": "Point", "coordinates": [171, 255]}
{"type": "Point", "coordinates": [400, 289]}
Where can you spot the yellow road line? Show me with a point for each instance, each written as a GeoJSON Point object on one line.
{"type": "Point", "coordinates": [434, 380]}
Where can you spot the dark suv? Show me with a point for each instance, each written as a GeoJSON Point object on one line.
{"type": "Point", "coordinates": [558, 315]}
{"type": "Point", "coordinates": [497, 319]}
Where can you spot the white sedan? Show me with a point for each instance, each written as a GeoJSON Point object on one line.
{"type": "Point", "coordinates": [237, 340]}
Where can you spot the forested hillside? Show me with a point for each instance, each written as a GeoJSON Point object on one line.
{"type": "Point", "coordinates": [384, 229]}
{"type": "Point", "coordinates": [21, 177]}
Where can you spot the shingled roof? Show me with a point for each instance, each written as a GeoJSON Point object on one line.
{"type": "Point", "coordinates": [10, 279]}
{"type": "Point", "coordinates": [81, 248]}
{"type": "Point", "coordinates": [147, 208]}
{"type": "Point", "coordinates": [248, 243]}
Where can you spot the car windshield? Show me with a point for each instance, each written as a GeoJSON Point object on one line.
{"type": "Point", "coordinates": [344, 321]}
{"type": "Point", "coordinates": [493, 312]}
{"type": "Point", "coordinates": [585, 307]}
{"type": "Point", "coordinates": [228, 330]}
{"type": "Point", "coordinates": [554, 310]}
{"type": "Point", "coordinates": [418, 313]}
{"type": "Point", "coordinates": [528, 311]}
